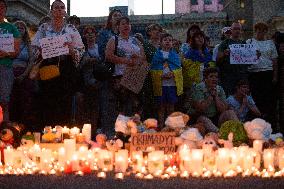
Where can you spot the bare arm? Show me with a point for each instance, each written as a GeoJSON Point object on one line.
{"type": "Point", "coordinates": [110, 55]}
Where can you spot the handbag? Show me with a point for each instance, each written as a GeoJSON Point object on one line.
{"type": "Point", "coordinates": [34, 73]}
{"type": "Point", "coordinates": [104, 70]}
{"type": "Point", "coordinates": [49, 71]}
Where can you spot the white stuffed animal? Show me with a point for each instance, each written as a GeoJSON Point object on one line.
{"type": "Point", "coordinates": [191, 137]}
{"type": "Point", "coordinates": [258, 129]}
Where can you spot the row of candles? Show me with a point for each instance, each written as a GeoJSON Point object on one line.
{"type": "Point", "coordinates": [195, 162]}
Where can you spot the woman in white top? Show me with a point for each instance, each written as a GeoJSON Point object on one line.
{"type": "Point", "coordinates": [56, 90]}
{"type": "Point", "coordinates": [128, 52]}
{"type": "Point", "coordinates": [263, 76]}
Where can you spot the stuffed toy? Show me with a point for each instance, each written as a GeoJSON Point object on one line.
{"type": "Point", "coordinates": [227, 143]}
{"type": "Point", "coordinates": [210, 142]}
{"type": "Point", "coordinates": [11, 134]}
{"type": "Point", "coordinates": [48, 137]}
{"type": "Point", "coordinates": [238, 130]}
{"type": "Point", "coordinates": [176, 122]}
{"type": "Point", "coordinates": [100, 142]}
{"type": "Point", "coordinates": [191, 137]}
{"type": "Point", "coordinates": [258, 129]}
{"type": "Point", "coordinates": [151, 125]}
{"type": "Point", "coordinates": [114, 145]}
{"type": "Point", "coordinates": [27, 140]}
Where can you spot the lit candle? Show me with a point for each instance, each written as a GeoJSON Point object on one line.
{"type": "Point", "coordinates": [87, 131]}
{"type": "Point", "coordinates": [137, 160]}
{"type": "Point", "coordinates": [46, 156]}
{"type": "Point", "coordinates": [119, 175]}
{"type": "Point", "coordinates": [197, 161]}
{"type": "Point", "coordinates": [70, 148]}
{"type": "Point", "coordinates": [75, 162]}
{"type": "Point", "coordinates": [105, 160]}
{"type": "Point", "coordinates": [242, 151]}
{"type": "Point", "coordinates": [281, 159]}
{"type": "Point", "coordinates": [248, 162]}
{"type": "Point", "coordinates": [184, 155]}
{"type": "Point", "coordinates": [268, 158]}
{"type": "Point", "coordinates": [61, 156]}
{"type": "Point", "coordinates": [257, 145]}
{"type": "Point", "coordinates": [65, 133]}
{"type": "Point", "coordinates": [121, 161]}
{"type": "Point", "coordinates": [83, 152]}
{"type": "Point", "coordinates": [101, 175]}
{"type": "Point", "coordinates": [17, 159]}
{"type": "Point", "coordinates": [223, 160]}
{"type": "Point", "coordinates": [156, 161]}
{"type": "Point", "coordinates": [8, 156]}
{"type": "Point", "coordinates": [74, 131]}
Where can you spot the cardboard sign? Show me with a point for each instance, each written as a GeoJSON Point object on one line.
{"type": "Point", "coordinates": [243, 54]}
{"type": "Point", "coordinates": [53, 46]}
{"type": "Point", "coordinates": [160, 141]}
{"type": "Point", "coordinates": [7, 43]}
{"type": "Point", "coordinates": [134, 77]}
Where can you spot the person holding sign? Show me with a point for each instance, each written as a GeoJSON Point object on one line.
{"type": "Point", "coordinates": [61, 47]}
{"type": "Point", "coordinates": [167, 77]}
{"type": "Point", "coordinates": [129, 53]}
{"type": "Point", "coordinates": [263, 76]}
{"type": "Point", "coordinates": [230, 73]}
{"type": "Point", "coordinates": [9, 48]}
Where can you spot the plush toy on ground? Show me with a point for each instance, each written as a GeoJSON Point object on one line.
{"type": "Point", "coordinates": [28, 140]}
{"type": "Point", "coordinates": [11, 134]}
{"type": "Point", "coordinates": [151, 125]}
{"type": "Point", "coordinates": [176, 122]}
{"type": "Point", "coordinates": [227, 143]}
{"type": "Point", "coordinates": [191, 137]}
{"type": "Point", "coordinates": [100, 142]}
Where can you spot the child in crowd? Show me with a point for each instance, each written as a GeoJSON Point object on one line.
{"type": "Point", "coordinates": [242, 103]}
{"type": "Point", "coordinates": [167, 77]}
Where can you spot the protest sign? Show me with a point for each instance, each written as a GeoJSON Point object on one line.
{"type": "Point", "coordinates": [164, 141]}
{"type": "Point", "coordinates": [243, 54]}
{"type": "Point", "coordinates": [53, 46]}
{"type": "Point", "coordinates": [133, 77]}
{"type": "Point", "coordinates": [7, 43]}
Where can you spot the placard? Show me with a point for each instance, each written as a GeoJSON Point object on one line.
{"type": "Point", "coordinates": [243, 54]}
{"type": "Point", "coordinates": [53, 46]}
{"type": "Point", "coordinates": [164, 141]}
{"type": "Point", "coordinates": [134, 77]}
{"type": "Point", "coordinates": [7, 43]}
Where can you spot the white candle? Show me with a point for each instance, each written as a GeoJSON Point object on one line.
{"type": "Point", "coordinates": [281, 158]}
{"type": "Point", "coordinates": [242, 151]}
{"type": "Point", "coordinates": [70, 148]}
{"type": "Point", "coordinates": [223, 160]}
{"type": "Point", "coordinates": [8, 155]}
{"type": "Point", "coordinates": [248, 162]}
{"type": "Point", "coordinates": [17, 159]}
{"type": "Point", "coordinates": [197, 161]}
{"type": "Point", "coordinates": [46, 156]}
{"type": "Point", "coordinates": [105, 160]}
{"type": "Point", "coordinates": [36, 154]}
{"type": "Point", "coordinates": [257, 145]}
{"type": "Point", "coordinates": [257, 159]}
{"type": "Point", "coordinates": [83, 152]}
{"type": "Point", "coordinates": [234, 159]}
{"type": "Point", "coordinates": [268, 158]}
{"type": "Point", "coordinates": [184, 155]}
{"type": "Point", "coordinates": [61, 156]}
{"type": "Point", "coordinates": [121, 161]}
{"type": "Point", "coordinates": [87, 131]}
{"type": "Point", "coordinates": [156, 162]}
{"type": "Point", "coordinates": [137, 160]}
{"type": "Point", "coordinates": [74, 131]}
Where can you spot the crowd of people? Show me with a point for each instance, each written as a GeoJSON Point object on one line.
{"type": "Point", "coordinates": [85, 85]}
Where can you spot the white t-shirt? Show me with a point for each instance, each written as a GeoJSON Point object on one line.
{"type": "Point", "coordinates": [94, 52]}
{"type": "Point", "coordinates": [215, 52]}
{"type": "Point", "coordinates": [268, 52]}
{"type": "Point", "coordinates": [125, 48]}
{"type": "Point", "coordinates": [166, 69]}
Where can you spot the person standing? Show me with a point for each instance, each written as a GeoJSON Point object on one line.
{"type": "Point", "coordinates": [56, 90]}
{"type": "Point", "coordinates": [230, 74]}
{"type": "Point", "coordinates": [6, 60]}
{"type": "Point", "coordinates": [263, 75]}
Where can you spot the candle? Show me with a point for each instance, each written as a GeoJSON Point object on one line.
{"type": "Point", "coordinates": [70, 148]}
{"type": "Point", "coordinates": [119, 175]}
{"type": "Point", "coordinates": [281, 158]}
{"type": "Point", "coordinates": [101, 175]}
{"type": "Point", "coordinates": [268, 158]}
{"type": "Point", "coordinates": [75, 162]}
{"type": "Point", "coordinates": [257, 159]}
{"type": "Point", "coordinates": [223, 160]}
{"type": "Point", "coordinates": [197, 161]}
{"type": "Point", "coordinates": [137, 160]}
{"type": "Point", "coordinates": [156, 161]}
{"type": "Point", "coordinates": [74, 131]}
{"type": "Point", "coordinates": [242, 151]}
{"type": "Point", "coordinates": [45, 157]}
{"type": "Point", "coordinates": [61, 156]}
{"type": "Point", "coordinates": [248, 162]}
{"type": "Point", "coordinates": [68, 167]}
{"type": "Point", "coordinates": [8, 156]}
{"type": "Point", "coordinates": [105, 160]}
{"type": "Point", "coordinates": [257, 145]}
{"type": "Point", "coordinates": [65, 133]}
{"type": "Point", "coordinates": [121, 161]}
{"type": "Point", "coordinates": [87, 131]}
{"type": "Point", "coordinates": [83, 152]}
{"type": "Point", "coordinates": [184, 155]}
{"type": "Point", "coordinates": [17, 159]}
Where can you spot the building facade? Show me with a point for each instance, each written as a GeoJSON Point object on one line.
{"type": "Point", "coordinates": [199, 6]}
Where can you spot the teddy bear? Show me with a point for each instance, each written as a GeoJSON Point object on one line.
{"type": "Point", "coordinates": [258, 129]}
{"type": "Point", "coordinates": [210, 142]}
{"type": "Point", "coordinates": [27, 140]}
{"type": "Point", "coordinates": [100, 142]}
{"type": "Point", "coordinates": [227, 143]}
{"type": "Point", "coordinates": [176, 122]}
{"type": "Point", "coordinates": [10, 134]}
{"type": "Point", "coordinates": [191, 137]}
{"type": "Point", "coordinates": [151, 125]}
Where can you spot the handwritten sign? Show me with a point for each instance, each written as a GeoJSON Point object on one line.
{"type": "Point", "coordinates": [53, 46]}
{"type": "Point", "coordinates": [7, 43]}
{"type": "Point", "coordinates": [243, 54]}
{"type": "Point", "coordinates": [133, 77]}
{"type": "Point", "coordinates": [160, 141]}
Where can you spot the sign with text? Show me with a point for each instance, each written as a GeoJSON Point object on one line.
{"type": "Point", "coordinates": [7, 43]}
{"type": "Point", "coordinates": [160, 141]}
{"type": "Point", "coordinates": [243, 54]}
{"type": "Point", "coordinates": [53, 46]}
{"type": "Point", "coordinates": [133, 77]}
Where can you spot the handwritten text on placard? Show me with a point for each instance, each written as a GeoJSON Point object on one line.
{"type": "Point", "coordinates": [53, 46]}
{"type": "Point", "coordinates": [7, 43]}
{"type": "Point", "coordinates": [243, 54]}
{"type": "Point", "coordinates": [160, 141]}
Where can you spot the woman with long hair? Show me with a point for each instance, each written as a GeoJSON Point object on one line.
{"type": "Point", "coordinates": [58, 75]}
{"type": "Point", "coordinates": [22, 97]}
